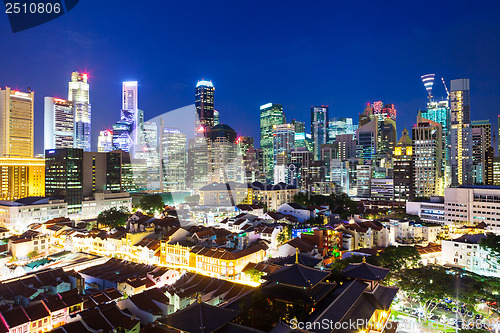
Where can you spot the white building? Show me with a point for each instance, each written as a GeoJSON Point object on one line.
{"type": "Point", "coordinates": [295, 210]}
{"type": "Point", "coordinates": [58, 123]}
{"type": "Point", "coordinates": [429, 211]}
{"type": "Point", "coordinates": [91, 207]}
{"type": "Point", "coordinates": [465, 252]}
{"type": "Point", "coordinates": [410, 232]}
{"type": "Point", "coordinates": [18, 215]}
{"type": "Point", "coordinates": [473, 204]}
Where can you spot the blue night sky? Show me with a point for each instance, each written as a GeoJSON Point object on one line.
{"type": "Point", "coordinates": [297, 53]}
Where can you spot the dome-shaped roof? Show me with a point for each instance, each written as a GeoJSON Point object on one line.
{"type": "Point", "coordinates": [222, 131]}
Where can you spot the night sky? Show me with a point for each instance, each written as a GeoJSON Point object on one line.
{"type": "Point", "coordinates": [297, 53]}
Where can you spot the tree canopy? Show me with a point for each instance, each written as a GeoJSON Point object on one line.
{"type": "Point", "coordinates": [113, 217]}
{"type": "Point", "coordinates": [152, 203]}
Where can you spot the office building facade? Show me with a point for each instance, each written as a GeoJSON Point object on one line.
{"type": "Point", "coordinates": [78, 93]}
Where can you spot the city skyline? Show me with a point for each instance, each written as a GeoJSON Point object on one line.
{"type": "Point", "coordinates": [345, 81]}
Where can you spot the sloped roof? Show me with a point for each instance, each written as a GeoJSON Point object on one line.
{"type": "Point", "coordinates": [298, 275]}
{"type": "Point", "coordinates": [199, 317]}
{"type": "Point", "coordinates": [364, 271]}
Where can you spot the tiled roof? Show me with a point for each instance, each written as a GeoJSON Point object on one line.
{"type": "Point", "coordinates": [364, 271]}
{"type": "Point", "coordinates": [298, 275]}
{"type": "Point", "coordinates": [199, 317]}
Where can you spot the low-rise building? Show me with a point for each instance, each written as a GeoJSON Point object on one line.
{"type": "Point", "coordinates": [410, 232]}
{"type": "Point", "coordinates": [30, 243]}
{"type": "Point", "coordinates": [18, 215]}
{"type": "Point", "coordinates": [360, 235]}
{"type": "Point", "coordinates": [431, 211]}
{"type": "Point", "coordinates": [465, 252]}
{"type": "Point", "coordinates": [302, 214]}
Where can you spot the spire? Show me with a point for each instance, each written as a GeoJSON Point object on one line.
{"type": "Point", "coordinates": [364, 259]}
{"type": "Point", "coordinates": [296, 255]}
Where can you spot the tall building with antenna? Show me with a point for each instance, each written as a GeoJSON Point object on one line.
{"type": "Point", "coordinates": [204, 102]}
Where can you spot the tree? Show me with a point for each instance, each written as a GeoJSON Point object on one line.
{"type": "Point", "coordinates": [426, 285]}
{"type": "Point", "coordinates": [492, 243]}
{"type": "Point", "coordinates": [152, 204]}
{"type": "Point", "coordinates": [254, 274]}
{"type": "Point", "coordinates": [399, 257]}
{"type": "Point", "coordinates": [285, 235]}
{"type": "Point", "coordinates": [33, 254]}
{"type": "Point", "coordinates": [113, 217]}
{"type": "Point", "coordinates": [260, 312]}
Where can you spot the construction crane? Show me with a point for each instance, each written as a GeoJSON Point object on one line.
{"type": "Point", "coordinates": [447, 92]}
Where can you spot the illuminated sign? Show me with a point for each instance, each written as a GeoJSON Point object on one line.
{"type": "Point", "coordinates": [60, 100]}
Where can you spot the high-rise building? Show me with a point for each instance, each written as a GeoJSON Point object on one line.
{"type": "Point", "coordinates": [216, 118]}
{"type": "Point", "coordinates": [387, 137]}
{"type": "Point", "coordinates": [403, 168]}
{"type": "Point", "coordinates": [122, 135]}
{"type": "Point", "coordinates": [197, 162]}
{"type": "Point", "coordinates": [301, 160]}
{"type": "Point", "coordinates": [253, 164]}
{"type": "Point", "coordinates": [319, 128]}
{"type": "Point", "coordinates": [128, 132]}
{"type": "Point", "coordinates": [78, 93]}
{"type": "Point", "coordinates": [439, 112]}
{"type": "Point", "coordinates": [174, 159]}
{"type": "Point", "coordinates": [388, 111]}
{"type": "Point", "coordinates": [148, 153]}
{"type": "Point", "coordinates": [363, 180]}
{"type": "Point", "coordinates": [340, 126]}
{"type": "Point", "coordinates": [105, 141]}
{"type": "Point", "coordinates": [461, 134]}
{"type": "Point", "coordinates": [224, 163]}
{"type": "Point", "coordinates": [21, 177]}
{"type": "Point", "coordinates": [204, 101]}
{"type": "Point", "coordinates": [16, 123]}
{"type": "Point", "coordinates": [58, 123]}
{"type": "Point", "coordinates": [283, 143]}
{"type": "Point", "coordinates": [427, 144]}
{"type": "Point", "coordinates": [489, 177]}
{"type": "Point", "coordinates": [244, 143]}
{"type": "Point", "coordinates": [64, 176]}
{"type": "Point", "coordinates": [72, 174]}
{"type": "Point", "coordinates": [486, 124]}
{"type": "Point", "coordinates": [367, 140]}
{"type": "Point", "coordinates": [270, 114]}
{"type": "Point", "coordinates": [479, 149]}
{"type": "Point", "coordinates": [345, 146]}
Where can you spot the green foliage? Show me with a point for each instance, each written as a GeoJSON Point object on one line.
{"type": "Point", "coordinates": [192, 198]}
{"type": "Point", "coordinates": [254, 274]}
{"type": "Point", "coordinates": [152, 204]}
{"type": "Point", "coordinates": [339, 203]}
{"type": "Point", "coordinates": [113, 217]}
{"type": "Point", "coordinates": [33, 254]}
{"type": "Point", "coordinates": [398, 257]}
{"type": "Point", "coordinates": [492, 243]}
{"type": "Point", "coordinates": [285, 235]}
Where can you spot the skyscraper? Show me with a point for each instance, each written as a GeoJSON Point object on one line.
{"type": "Point", "coordinates": [58, 123]}
{"type": "Point", "coordinates": [174, 159]}
{"type": "Point", "coordinates": [204, 101]}
{"type": "Point", "coordinates": [487, 129]}
{"type": "Point", "coordinates": [340, 126]}
{"type": "Point", "coordinates": [283, 143]}
{"type": "Point", "coordinates": [319, 128]}
{"type": "Point", "coordinates": [105, 141]}
{"type": "Point", "coordinates": [224, 163]}
{"type": "Point", "coordinates": [130, 110]}
{"type": "Point", "coordinates": [16, 123]}
{"type": "Point", "coordinates": [479, 150]}
{"type": "Point", "coordinates": [461, 134]}
{"type": "Point", "coordinates": [367, 140]}
{"type": "Point", "coordinates": [270, 114]}
{"type": "Point", "coordinates": [403, 168]}
{"type": "Point", "coordinates": [439, 112]}
{"type": "Point", "coordinates": [427, 155]}
{"type": "Point", "coordinates": [78, 93]}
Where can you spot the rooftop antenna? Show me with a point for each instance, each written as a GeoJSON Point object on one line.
{"type": "Point", "coordinates": [428, 81]}
{"type": "Point", "coordinates": [447, 92]}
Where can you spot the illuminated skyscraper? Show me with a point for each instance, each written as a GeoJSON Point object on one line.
{"type": "Point", "coordinates": [105, 141]}
{"type": "Point", "coordinates": [174, 159]}
{"type": "Point", "coordinates": [58, 123]}
{"type": "Point", "coordinates": [479, 150]}
{"type": "Point", "coordinates": [461, 133]}
{"type": "Point", "coordinates": [16, 123]}
{"type": "Point", "coordinates": [244, 143]}
{"type": "Point", "coordinates": [21, 177]}
{"type": "Point", "coordinates": [283, 143]}
{"type": "Point", "coordinates": [224, 163]}
{"type": "Point", "coordinates": [216, 118]}
{"type": "Point", "coordinates": [366, 140]}
{"type": "Point", "coordinates": [270, 115]}
{"type": "Point", "coordinates": [319, 128]}
{"type": "Point", "coordinates": [204, 101]}
{"type": "Point", "coordinates": [439, 112]}
{"type": "Point", "coordinates": [78, 93]}
{"type": "Point", "coordinates": [427, 144]}
{"type": "Point", "coordinates": [403, 168]}
{"type": "Point", "coordinates": [340, 126]}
